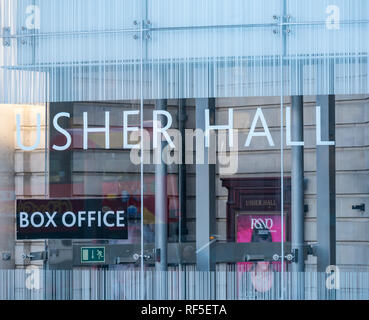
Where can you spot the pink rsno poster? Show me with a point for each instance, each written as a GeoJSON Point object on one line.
{"type": "Point", "coordinates": [259, 228]}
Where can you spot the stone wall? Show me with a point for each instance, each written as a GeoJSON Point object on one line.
{"type": "Point", "coordinates": [29, 171]}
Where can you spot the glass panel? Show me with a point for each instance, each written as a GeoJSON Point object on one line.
{"type": "Point", "coordinates": [224, 227]}
{"type": "Point", "coordinates": [328, 197]}
{"type": "Point", "coordinates": [101, 175]}
{"type": "Point", "coordinates": [24, 175]}
{"type": "Point", "coordinates": [324, 57]}
{"type": "Point", "coordinates": [80, 174]}
{"type": "Point", "coordinates": [230, 229]}
{"type": "Point", "coordinates": [234, 53]}
{"type": "Point", "coordinates": [70, 50]}
{"type": "Point", "coordinates": [323, 35]}
{"type": "Point", "coordinates": [51, 47]}
{"type": "Point", "coordinates": [254, 214]}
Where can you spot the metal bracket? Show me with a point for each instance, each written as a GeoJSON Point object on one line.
{"type": "Point", "coordinates": [360, 207]}
{"type": "Point", "coordinates": [309, 250]}
{"type": "Point", "coordinates": [312, 250]}
{"type": "Point", "coordinates": [289, 257]}
{"type": "Point", "coordinates": [23, 41]}
{"type": "Point", "coordinates": [146, 24]}
{"type": "Point", "coordinates": [136, 257]}
{"type": "Point", "coordinates": [6, 36]}
{"type": "Point", "coordinates": [282, 21]}
{"type": "Point", "coordinates": [136, 24]}
{"type": "Point", "coordinates": [157, 255]}
{"type": "Point", "coordinates": [254, 258]}
{"type": "Point", "coordinates": [35, 256]}
{"type": "Point", "coordinates": [277, 20]}
{"type": "Point", "coordinates": [295, 255]}
{"type": "Point", "coordinates": [6, 256]}
{"type": "Point", "coordinates": [306, 208]}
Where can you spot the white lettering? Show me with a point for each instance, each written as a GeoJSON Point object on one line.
{"type": "Point", "coordinates": [38, 133]}
{"type": "Point", "coordinates": [81, 217]}
{"type": "Point", "coordinates": [105, 219]}
{"type": "Point", "coordinates": [64, 218]}
{"type": "Point", "coordinates": [42, 219]}
{"type": "Point", "coordinates": [262, 223]}
{"type": "Point", "coordinates": [91, 217]}
{"type": "Point", "coordinates": [120, 219]}
{"type": "Point", "coordinates": [319, 141]}
{"type": "Point", "coordinates": [289, 141]}
{"type": "Point", "coordinates": [51, 219]}
{"type": "Point", "coordinates": [23, 220]}
{"type": "Point", "coordinates": [62, 131]}
{"type": "Point", "coordinates": [131, 129]}
{"type": "Point", "coordinates": [266, 133]}
{"type": "Point", "coordinates": [158, 130]}
{"type": "Point", "coordinates": [99, 218]}
{"type": "Point", "coordinates": [229, 127]}
{"type": "Point", "coordinates": [87, 130]}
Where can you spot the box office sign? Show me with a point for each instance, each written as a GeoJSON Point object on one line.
{"type": "Point", "coordinates": [72, 219]}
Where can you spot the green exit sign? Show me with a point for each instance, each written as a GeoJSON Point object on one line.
{"type": "Point", "coordinates": [93, 255]}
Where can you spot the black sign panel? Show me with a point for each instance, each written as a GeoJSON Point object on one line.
{"type": "Point", "coordinates": [72, 219]}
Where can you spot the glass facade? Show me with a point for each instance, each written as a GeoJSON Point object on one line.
{"type": "Point", "coordinates": [166, 149]}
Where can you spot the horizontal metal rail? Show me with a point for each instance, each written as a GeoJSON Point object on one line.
{"type": "Point", "coordinates": [178, 253]}
{"type": "Point", "coordinates": [267, 60]}
{"type": "Point", "coordinates": [175, 28]}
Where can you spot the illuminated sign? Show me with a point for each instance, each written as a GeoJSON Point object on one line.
{"type": "Point", "coordinates": [93, 255]}
{"type": "Point", "coordinates": [72, 219]}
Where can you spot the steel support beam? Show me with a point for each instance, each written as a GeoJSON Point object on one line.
{"type": "Point", "coordinates": [297, 183]}
{"type": "Point", "coordinates": [161, 227]}
{"type": "Point", "coordinates": [205, 196]}
{"type": "Point", "coordinates": [182, 173]}
{"type": "Point", "coordinates": [326, 186]}
{"type": "Point", "coordinates": [7, 203]}
{"type": "Point", "coordinates": [297, 197]}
